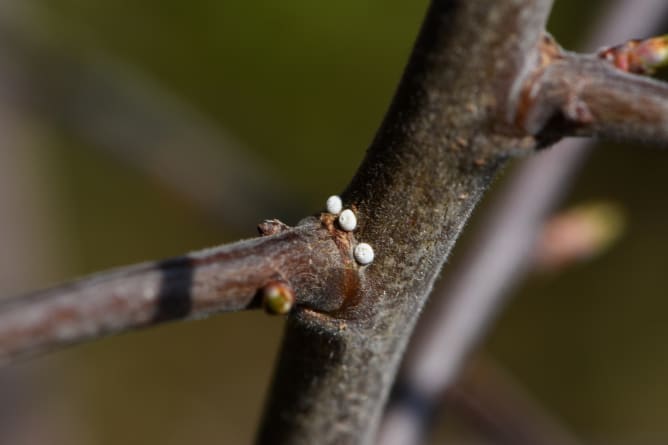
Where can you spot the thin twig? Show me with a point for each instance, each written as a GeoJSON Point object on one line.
{"type": "Point", "coordinates": [196, 285]}
{"type": "Point", "coordinates": [588, 96]}
{"type": "Point", "coordinates": [465, 307]}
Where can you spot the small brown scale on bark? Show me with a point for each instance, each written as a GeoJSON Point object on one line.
{"type": "Point", "coordinates": [271, 227]}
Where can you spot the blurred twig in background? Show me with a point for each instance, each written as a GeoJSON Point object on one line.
{"type": "Point", "coordinates": [464, 308]}
{"type": "Point", "coordinates": [23, 258]}
{"type": "Point", "coordinates": [493, 403]}
{"type": "Point", "coordinates": [126, 115]}
{"type": "Point", "coordinates": [27, 235]}
{"type": "Point", "coordinates": [484, 395]}
{"type": "Point", "coordinates": [116, 109]}
{"type": "Point", "coordinates": [577, 234]}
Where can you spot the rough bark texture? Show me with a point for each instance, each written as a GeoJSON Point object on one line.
{"type": "Point", "coordinates": [466, 305]}
{"type": "Point", "coordinates": [441, 143]}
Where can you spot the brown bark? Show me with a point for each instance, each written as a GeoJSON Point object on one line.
{"type": "Point", "coordinates": [443, 139]}
{"type": "Point", "coordinates": [226, 278]}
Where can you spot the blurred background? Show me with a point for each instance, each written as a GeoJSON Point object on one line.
{"type": "Point", "coordinates": [136, 130]}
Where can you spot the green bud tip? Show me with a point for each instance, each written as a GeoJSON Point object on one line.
{"type": "Point", "coordinates": [277, 298]}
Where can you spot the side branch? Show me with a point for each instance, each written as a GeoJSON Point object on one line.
{"type": "Point", "coordinates": [586, 95]}
{"type": "Point", "coordinates": [221, 279]}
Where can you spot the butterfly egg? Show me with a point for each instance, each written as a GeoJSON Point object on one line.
{"type": "Point", "coordinates": [347, 220]}
{"type": "Point", "coordinates": [363, 253]}
{"type": "Point", "coordinates": [277, 298]}
{"type": "Point", "coordinates": [334, 204]}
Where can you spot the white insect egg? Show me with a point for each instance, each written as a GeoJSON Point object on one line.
{"type": "Point", "coordinates": [363, 253]}
{"type": "Point", "coordinates": [348, 220]}
{"type": "Point", "coordinates": [334, 204]}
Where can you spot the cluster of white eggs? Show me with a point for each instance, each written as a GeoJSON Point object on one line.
{"type": "Point", "coordinates": [347, 220]}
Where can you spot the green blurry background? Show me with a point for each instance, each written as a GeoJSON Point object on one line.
{"type": "Point", "coordinates": [301, 86]}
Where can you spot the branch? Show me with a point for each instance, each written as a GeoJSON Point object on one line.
{"type": "Point", "coordinates": [587, 95]}
{"type": "Point", "coordinates": [444, 137]}
{"type": "Point", "coordinates": [222, 279]}
{"type": "Point", "coordinates": [483, 393]}
{"type": "Point", "coordinates": [465, 307]}
{"type": "Point", "coordinates": [467, 304]}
